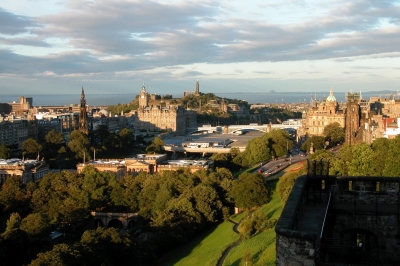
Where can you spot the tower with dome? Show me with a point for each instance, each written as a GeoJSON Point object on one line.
{"type": "Point", "coordinates": [322, 113]}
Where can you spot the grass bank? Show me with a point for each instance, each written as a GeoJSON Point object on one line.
{"type": "Point", "coordinates": [209, 247]}
{"type": "Point", "coordinates": [206, 249]}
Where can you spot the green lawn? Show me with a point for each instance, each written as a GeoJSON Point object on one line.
{"type": "Point", "coordinates": [206, 249]}
{"type": "Point", "coordinates": [261, 247]}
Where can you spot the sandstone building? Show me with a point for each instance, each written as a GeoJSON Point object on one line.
{"type": "Point", "coordinates": [27, 170]}
{"type": "Point", "coordinates": [172, 118]}
{"type": "Point", "coordinates": [321, 114]}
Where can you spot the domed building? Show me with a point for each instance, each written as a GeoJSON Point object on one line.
{"type": "Point", "coordinates": [322, 113]}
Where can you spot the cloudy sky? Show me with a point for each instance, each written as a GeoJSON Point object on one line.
{"type": "Point", "coordinates": [113, 46]}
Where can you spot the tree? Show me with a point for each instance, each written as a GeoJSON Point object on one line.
{"type": "Point", "coordinates": [101, 133]}
{"type": "Point", "coordinates": [221, 159]}
{"type": "Point", "coordinates": [317, 142]}
{"type": "Point", "coordinates": [126, 139]}
{"type": "Point", "coordinates": [61, 254]}
{"type": "Point", "coordinates": [321, 155]}
{"type": "Point", "coordinates": [13, 195]}
{"type": "Point", "coordinates": [391, 167]}
{"type": "Point", "coordinates": [78, 143]}
{"type": "Point", "coordinates": [31, 147]}
{"type": "Point", "coordinates": [155, 146]}
{"type": "Point", "coordinates": [54, 141]}
{"type": "Point", "coordinates": [257, 150]}
{"type": "Point", "coordinates": [279, 142]}
{"type": "Point", "coordinates": [4, 151]}
{"type": "Point", "coordinates": [362, 163]}
{"type": "Point", "coordinates": [249, 191]}
{"type": "Point", "coordinates": [13, 223]}
{"type": "Point", "coordinates": [104, 247]}
{"type": "Point", "coordinates": [334, 133]}
{"type": "Point", "coordinates": [343, 159]}
{"type": "Point", "coordinates": [54, 137]}
{"type": "Point", "coordinates": [380, 147]}
{"type": "Point", "coordinates": [207, 202]}
{"type": "Point", "coordinates": [241, 159]}
{"type": "Point", "coordinates": [285, 185]}
{"type": "Point", "coordinates": [35, 225]}
{"type": "Point", "coordinates": [14, 242]}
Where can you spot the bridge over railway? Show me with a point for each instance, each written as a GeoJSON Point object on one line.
{"type": "Point", "coordinates": [200, 150]}
{"type": "Point", "coordinates": [289, 125]}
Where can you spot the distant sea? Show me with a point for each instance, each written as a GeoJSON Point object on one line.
{"type": "Point", "coordinates": [252, 98]}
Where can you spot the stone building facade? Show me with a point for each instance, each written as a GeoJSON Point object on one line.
{"type": "Point", "coordinates": [172, 118]}
{"type": "Point", "coordinates": [27, 170]}
{"type": "Point", "coordinates": [353, 132]}
{"type": "Point", "coordinates": [17, 108]}
{"type": "Point", "coordinates": [14, 132]}
{"type": "Point", "coordinates": [321, 114]}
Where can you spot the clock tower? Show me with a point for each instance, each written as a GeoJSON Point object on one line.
{"type": "Point", "coordinates": [143, 98]}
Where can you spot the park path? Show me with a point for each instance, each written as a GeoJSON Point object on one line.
{"type": "Point", "coordinates": [234, 244]}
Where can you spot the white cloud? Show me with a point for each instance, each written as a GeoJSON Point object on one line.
{"type": "Point", "coordinates": [281, 40]}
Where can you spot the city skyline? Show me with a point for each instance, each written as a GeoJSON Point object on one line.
{"type": "Point", "coordinates": [113, 47]}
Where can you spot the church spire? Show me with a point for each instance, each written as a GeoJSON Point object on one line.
{"type": "Point", "coordinates": [197, 92]}
{"type": "Point", "coordinates": [83, 121]}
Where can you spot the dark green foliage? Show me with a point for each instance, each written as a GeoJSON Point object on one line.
{"type": "Point", "coordinates": [380, 147]}
{"type": "Point", "coordinates": [285, 185]}
{"type": "Point", "coordinates": [104, 247]}
{"type": "Point", "coordinates": [61, 254]}
{"type": "Point", "coordinates": [125, 108]}
{"type": "Point", "coordinates": [249, 191]}
{"type": "Point", "coordinates": [321, 155]}
{"type": "Point", "coordinates": [4, 151]}
{"type": "Point", "coordinates": [155, 146]}
{"type": "Point", "coordinates": [31, 148]}
{"type": "Point", "coordinates": [79, 144]}
{"type": "Point", "coordinates": [274, 144]}
{"type": "Point", "coordinates": [362, 163]}
{"type": "Point", "coordinates": [14, 196]}
{"type": "Point", "coordinates": [173, 207]}
{"type": "Point", "coordinates": [334, 133]}
{"type": "Point", "coordinates": [341, 163]}
{"type": "Point", "coordinates": [36, 225]}
{"type": "Point", "coordinates": [255, 223]}
{"type": "Point", "coordinates": [391, 167]}
{"type": "Point", "coordinates": [318, 143]}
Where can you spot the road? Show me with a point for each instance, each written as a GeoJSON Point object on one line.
{"type": "Point", "coordinates": [275, 166]}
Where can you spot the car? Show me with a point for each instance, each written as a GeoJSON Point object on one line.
{"type": "Point", "coordinates": [260, 171]}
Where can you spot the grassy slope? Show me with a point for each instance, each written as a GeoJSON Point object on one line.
{"type": "Point", "coordinates": [261, 246]}
{"type": "Point", "coordinates": [208, 248]}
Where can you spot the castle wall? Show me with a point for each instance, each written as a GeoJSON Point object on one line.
{"type": "Point", "coordinates": [361, 224]}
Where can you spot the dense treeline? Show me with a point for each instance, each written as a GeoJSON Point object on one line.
{"type": "Point", "coordinates": [378, 159]}
{"type": "Point", "coordinates": [173, 207]}
{"type": "Point", "coordinates": [65, 154]}
{"type": "Point", "coordinates": [271, 145]}
{"type": "Point", "coordinates": [274, 144]}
